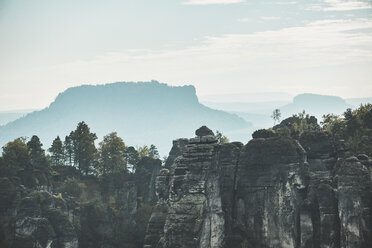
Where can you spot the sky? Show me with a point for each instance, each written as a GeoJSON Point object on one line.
{"type": "Point", "coordinates": [222, 47]}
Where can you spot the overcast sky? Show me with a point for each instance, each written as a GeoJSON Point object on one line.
{"type": "Point", "coordinates": [220, 46]}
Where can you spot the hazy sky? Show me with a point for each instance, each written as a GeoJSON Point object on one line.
{"type": "Point", "coordinates": [220, 46]}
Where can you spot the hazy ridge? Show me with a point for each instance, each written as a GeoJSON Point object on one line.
{"type": "Point", "coordinates": [141, 113]}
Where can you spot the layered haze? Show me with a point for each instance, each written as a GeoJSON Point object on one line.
{"type": "Point", "coordinates": [142, 113]}
{"type": "Point", "coordinates": [220, 46]}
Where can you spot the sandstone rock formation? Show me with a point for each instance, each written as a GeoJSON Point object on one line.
{"type": "Point", "coordinates": [304, 191]}
{"type": "Point", "coordinates": [272, 192]}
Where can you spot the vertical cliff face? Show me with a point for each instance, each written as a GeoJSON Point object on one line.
{"type": "Point", "coordinates": [269, 185]}
{"type": "Point", "coordinates": [272, 192]}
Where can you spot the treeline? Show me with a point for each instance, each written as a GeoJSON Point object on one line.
{"type": "Point", "coordinates": [77, 150]}
{"type": "Point", "coordinates": [353, 128]}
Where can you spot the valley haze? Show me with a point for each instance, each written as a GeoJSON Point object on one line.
{"type": "Point", "coordinates": [145, 113]}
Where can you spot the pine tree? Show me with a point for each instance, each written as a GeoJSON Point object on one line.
{"type": "Point", "coordinates": [68, 147]}
{"type": "Point", "coordinates": [36, 153]}
{"type": "Point", "coordinates": [84, 148]}
{"type": "Point", "coordinates": [57, 152]}
{"type": "Point", "coordinates": [153, 151]}
{"type": "Point", "coordinates": [132, 158]}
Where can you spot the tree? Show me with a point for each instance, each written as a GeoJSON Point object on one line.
{"type": "Point", "coordinates": [15, 156]}
{"type": "Point", "coordinates": [84, 148]}
{"type": "Point", "coordinates": [132, 158]}
{"type": "Point", "coordinates": [221, 138]}
{"type": "Point", "coordinates": [36, 153]}
{"type": "Point", "coordinates": [68, 147]}
{"type": "Point", "coordinates": [153, 151]}
{"type": "Point", "coordinates": [276, 115]}
{"type": "Point", "coordinates": [143, 151]}
{"type": "Point", "coordinates": [355, 128]}
{"type": "Point", "coordinates": [57, 152]}
{"type": "Point", "coordinates": [112, 154]}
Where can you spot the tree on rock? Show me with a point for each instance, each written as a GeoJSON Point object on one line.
{"type": "Point", "coordinates": [222, 139]}
{"type": "Point", "coordinates": [153, 151]}
{"type": "Point", "coordinates": [143, 151]}
{"type": "Point", "coordinates": [84, 148]}
{"type": "Point", "coordinates": [57, 152]}
{"type": "Point", "coordinates": [36, 153]}
{"type": "Point", "coordinates": [68, 148]}
{"type": "Point", "coordinates": [15, 157]}
{"type": "Point", "coordinates": [132, 158]}
{"type": "Point", "coordinates": [276, 115]}
{"type": "Point", "coordinates": [112, 154]}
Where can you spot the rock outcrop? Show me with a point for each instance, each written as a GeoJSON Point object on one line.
{"type": "Point", "coordinates": [272, 192]}
{"type": "Point", "coordinates": [299, 191]}
{"type": "Point", "coordinates": [78, 211]}
{"type": "Point", "coordinates": [34, 219]}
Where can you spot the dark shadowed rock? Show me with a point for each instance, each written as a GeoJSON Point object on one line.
{"type": "Point", "coordinates": [203, 131]}
{"type": "Point", "coordinates": [362, 157]}
{"type": "Point", "coordinates": [272, 192]}
{"type": "Point", "coordinates": [263, 133]}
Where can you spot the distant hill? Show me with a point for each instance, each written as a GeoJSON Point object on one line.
{"type": "Point", "coordinates": [8, 116]}
{"type": "Point", "coordinates": [357, 101]}
{"type": "Point", "coordinates": [141, 113]}
{"type": "Point", "coordinates": [258, 113]}
{"type": "Point", "coordinates": [247, 107]}
{"type": "Point", "coordinates": [316, 105]}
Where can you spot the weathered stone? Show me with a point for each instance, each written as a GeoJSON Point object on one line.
{"type": "Point", "coordinates": [272, 192]}
{"type": "Point", "coordinates": [203, 131]}
{"type": "Point", "coordinates": [263, 133]}
{"type": "Point", "coordinates": [354, 204]}
{"type": "Point", "coordinates": [362, 157]}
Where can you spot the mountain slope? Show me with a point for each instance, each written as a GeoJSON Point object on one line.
{"type": "Point", "coordinates": [141, 113]}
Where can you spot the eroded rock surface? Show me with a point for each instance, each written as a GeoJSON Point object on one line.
{"type": "Point", "coordinates": [272, 192]}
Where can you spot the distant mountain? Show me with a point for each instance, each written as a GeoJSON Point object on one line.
{"type": "Point", "coordinates": [258, 113]}
{"type": "Point", "coordinates": [248, 97]}
{"type": "Point", "coordinates": [357, 101]}
{"type": "Point", "coordinates": [8, 116]}
{"type": "Point", "coordinates": [316, 105]}
{"type": "Point", "coordinates": [141, 113]}
{"type": "Point", "coordinates": [247, 107]}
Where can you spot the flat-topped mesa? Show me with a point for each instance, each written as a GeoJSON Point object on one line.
{"type": "Point", "coordinates": [204, 135]}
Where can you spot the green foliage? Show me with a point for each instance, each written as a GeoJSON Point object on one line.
{"type": "Point", "coordinates": [132, 157]}
{"type": "Point", "coordinates": [72, 187]}
{"type": "Point", "coordinates": [296, 125]}
{"type": "Point", "coordinates": [221, 138]}
{"type": "Point", "coordinates": [153, 151]}
{"type": "Point", "coordinates": [355, 128]}
{"type": "Point", "coordinates": [112, 154]}
{"type": "Point", "coordinates": [36, 154]}
{"type": "Point", "coordinates": [15, 157]}
{"type": "Point", "coordinates": [84, 148]}
{"type": "Point", "coordinates": [57, 152]}
{"type": "Point", "coordinates": [68, 147]}
{"type": "Point", "coordinates": [143, 151]}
